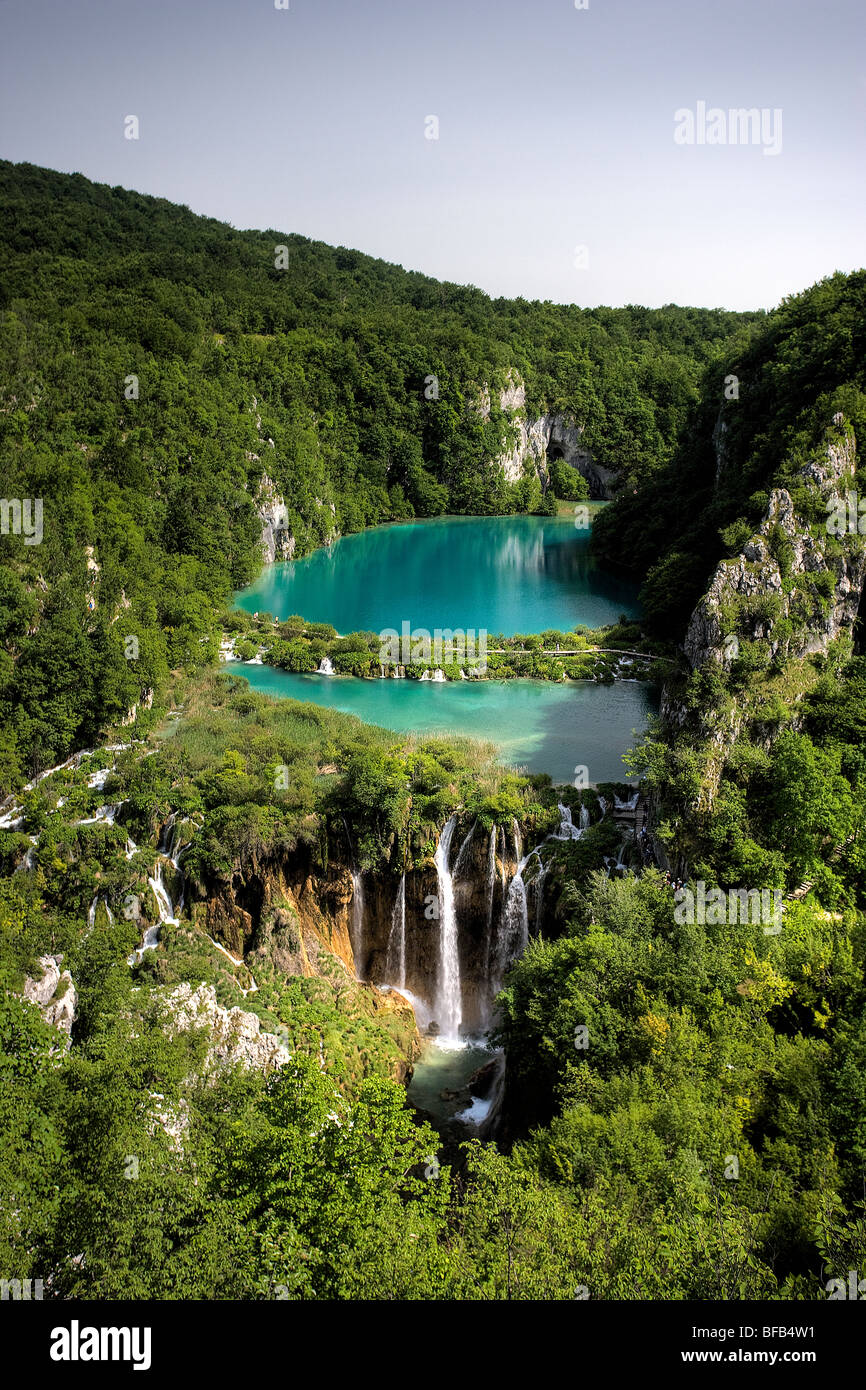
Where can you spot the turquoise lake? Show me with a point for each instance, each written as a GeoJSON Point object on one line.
{"type": "Point", "coordinates": [540, 725]}
{"type": "Point", "coordinates": [502, 574]}
{"type": "Point", "coordinates": [506, 574]}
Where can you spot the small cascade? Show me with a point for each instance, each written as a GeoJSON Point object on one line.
{"type": "Point", "coordinates": [29, 860]}
{"type": "Point", "coordinates": [449, 1003]}
{"type": "Point", "coordinates": [502, 856]}
{"type": "Point", "coordinates": [514, 932]}
{"type": "Point", "coordinates": [91, 913]}
{"type": "Point", "coordinates": [629, 805]}
{"type": "Point", "coordinates": [165, 909]}
{"type": "Point", "coordinates": [491, 889]}
{"type": "Point", "coordinates": [567, 829]}
{"type": "Point", "coordinates": [395, 963]}
{"type": "Point", "coordinates": [105, 815]}
{"type": "Point", "coordinates": [518, 842]}
{"type": "Point", "coordinates": [538, 885]}
{"type": "Point", "coordinates": [131, 848]}
{"type": "Point", "coordinates": [463, 852]}
{"type": "Point", "coordinates": [325, 667]}
{"type": "Point", "coordinates": [160, 892]}
{"type": "Point", "coordinates": [584, 817]}
{"type": "Point", "coordinates": [357, 920]}
{"type": "Point", "coordinates": [603, 805]}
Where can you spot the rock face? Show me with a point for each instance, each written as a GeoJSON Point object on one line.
{"type": "Point", "coordinates": [237, 1035]}
{"type": "Point", "coordinates": [794, 589]}
{"type": "Point", "coordinates": [544, 438]}
{"type": "Point", "coordinates": [277, 542]}
{"type": "Point", "coordinates": [796, 622]}
{"type": "Point", "coordinates": [290, 910]}
{"type": "Point", "coordinates": [54, 995]}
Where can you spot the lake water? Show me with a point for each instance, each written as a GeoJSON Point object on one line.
{"type": "Point", "coordinates": [502, 574]}
{"type": "Point", "coordinates": [541, 725]}
{"type": "Point", "coordinates": [505, 574]}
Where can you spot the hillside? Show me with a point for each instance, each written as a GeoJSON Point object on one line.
{"type": "Point", "coordinates": [172, 397]}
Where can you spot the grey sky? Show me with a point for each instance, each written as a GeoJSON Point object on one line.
{"type": "Point", "coordinates": [556, 131]}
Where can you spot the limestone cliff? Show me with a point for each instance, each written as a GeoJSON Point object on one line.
{"type": "Point", "coordinates": [794, 589]}
{"type": "Point", "coordinates": [54, 995]}
{"type": "Point", "coordinates": [784, 560]}
{"type": "Point", "coordinates": [299, 914]}
{"type": "Point", "coordinates": [545, 437]}
{"type": "Point", "coordinates": [277, 541]}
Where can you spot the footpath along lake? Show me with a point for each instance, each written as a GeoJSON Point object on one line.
{"type": "Point", "coordinates": [502, 574]}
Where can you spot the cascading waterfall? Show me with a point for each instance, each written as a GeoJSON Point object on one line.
{"type": "Point", "coordinates": [491, 888]}
{"type": "Point", "coordinates": [518, 842]}
{"type": "Point", "coordinates": [325, 667]}
{"type": "Point", "coordinates": [165, 910]}
{"type": "Point", "coordinates": [514, 932]}
{"type": "Point", "coordinates": [160, 892]}
{"type": "Point", "coordinates": [396, 955]}
{"type": "Point", "coordinates": [463, 852]}
{"type": "Point", "coordinates": [539, 892]}
{"type": "Point", "coordinates": [584, 817]}
{"type": "Point", "coordinates": [567, 829]}
{"type": "Point", "coordinates": [449, 1004]}
{"type": "Point", "coordinates": [357, 919]}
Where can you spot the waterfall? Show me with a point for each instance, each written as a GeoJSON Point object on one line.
{"type": "Point", "coordinates": [514, 933]}
{"type": "Point", "coordinates": [518, 842]}
{"type": "Point", "coordinates": [463, 852]}
{"type": "Point", "coordinates": [395, 964]}
{"type": "Point", "coordinates": [160, 892]}
{"type": "Point", "coordinates": [628, 805]}
{"type": "Point", "coordinates": [538, 885]}
{"type": "Point", "coordinates": [491, 883]}
{"type": "Point", "coordinates": [567, 829]}
{"type": "Point", "coordinates": [357, 919]}
{"type": "Point", "coordinates": [165, 910]}
{"type": "Point", "coordinates": [325, 667]}
{"type": "Point", "coordinates": [91, 913]}
{"type": "Point", "coordinates": [603, 804]}
{"type": "Point", "coordinates": [584, 817]}
{"type": "Point", "coordinates": [449, 997]}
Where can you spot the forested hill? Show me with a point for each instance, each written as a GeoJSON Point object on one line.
{"type": "Point", "coordinates": [764, 410]}
{"type": "Point", "coordinates": [155, 364]}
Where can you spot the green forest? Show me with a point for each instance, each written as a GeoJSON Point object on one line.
{"type": "Point", "coordinates": [710, 1143]}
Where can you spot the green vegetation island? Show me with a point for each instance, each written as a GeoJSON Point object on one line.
{"type": "Point", "coordinates": [295, 1006]}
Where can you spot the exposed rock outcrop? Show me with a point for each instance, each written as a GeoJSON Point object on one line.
{"type": "Point", "coordinates": [806, 613]}
{"type": "Point", "coordinates": [794, 588]}
{"type": "Point", "coordinates": [277, 541]}
{"type": "Point", "coordinates": [290, 910]}
{"type": "Point", "coordinates": [237, 1036]}
{"type": "Point", "coordinates": [54, 995]}
{"type": "Point", "coordinates": [543, 438]}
